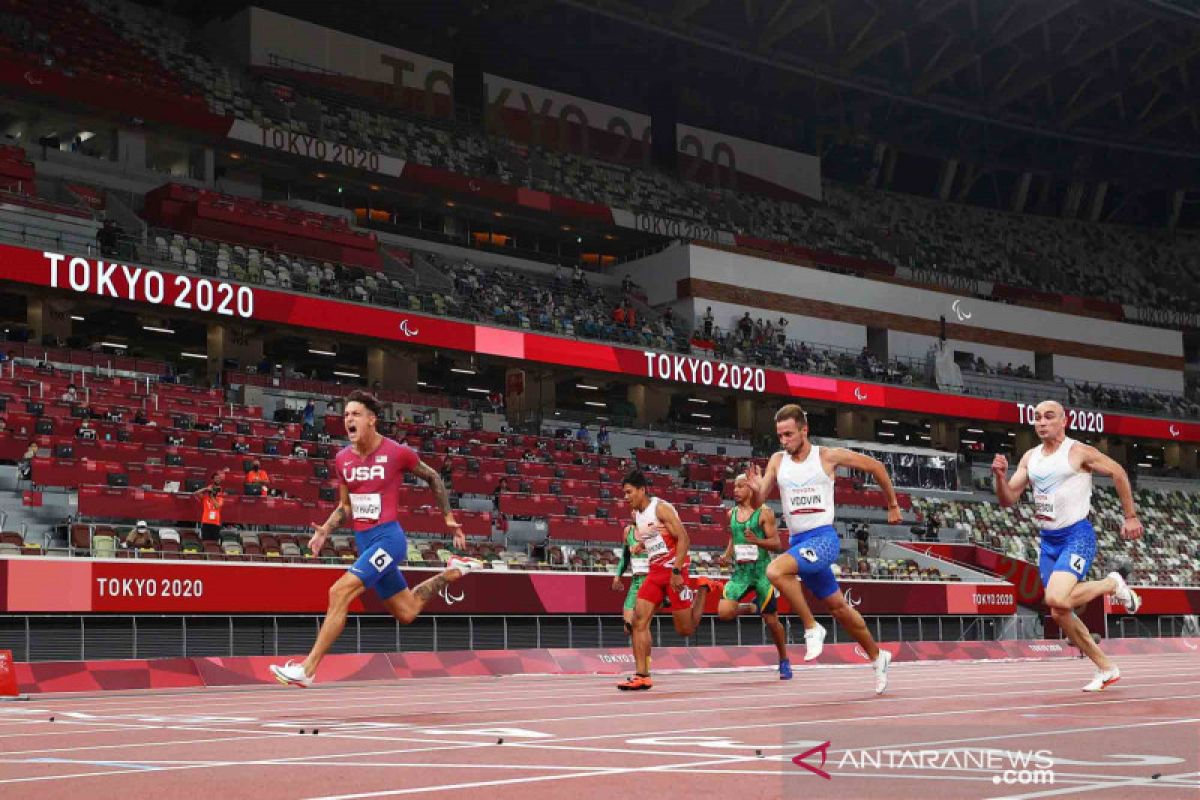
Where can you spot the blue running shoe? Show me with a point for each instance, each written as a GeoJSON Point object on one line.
{"type": "Point", "coordinates": [785, 670]}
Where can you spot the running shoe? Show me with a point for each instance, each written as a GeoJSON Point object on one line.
{"type": "Point", "coordinates": [1103, 679]}
{"type": "Point", "coordinates": [1125, 595]}
{"type": "Point", "coordinates": [814, 642]}
{"type": "Point", "coordinates": [702, 582]}
{"type": "Point", "coordinates": [881, 669]}
{"type": "Point", "coordinates": [638, 683]}
{"type": "Point", "coordinates": [292, 674]}
{"type": "Point", "coordinates": [785, 670]}
{"type": "Point", "coordinates": [464, 564]}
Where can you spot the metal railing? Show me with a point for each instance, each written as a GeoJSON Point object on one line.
{"type": "Point", "coordinates": [70, 638]}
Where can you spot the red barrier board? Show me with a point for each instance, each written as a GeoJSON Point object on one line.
{"type": "Point", "coordinates": [91, 676]}
{"type": "Point", "coordinates": [192, 293]}
{"type": "Point", "coordinates": [154, 586]}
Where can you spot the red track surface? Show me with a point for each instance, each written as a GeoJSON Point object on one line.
{"type": "Point", "coordinates": [694, 735]}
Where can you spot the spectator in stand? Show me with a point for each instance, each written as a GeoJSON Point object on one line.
{"type": "Point", "coordinates": [140, 537]}
{"type": "Point", "coordinates": [501, 488]}
{"type": "Point", "coordinates": [25, 464]}
{"type": "Point", "coordinates": [745, 327]}
{"type": "Point", "coordinates": [707, 323]}
{"type": "Point", "coordinates": [107, 238]}
{"type": "Point", "coordinates": [85, 432]}
{"type": "Point", "coordinates": [626, 285]}
{"type": "Point", "coordinates": [674, 446]}
{"type": "Point", "coordinates": [618, 316]}
{"type": "Point", "coordinates": [602, 441]}
{"type": "Point", "coordinates": [579, 280]}
{"type": "Point", "coordinates": [583, 434]}
{"type": "Point", "coordinates": [256, 474]}
{"type": "Point", "coordinates": [299, 451]}
{"type": "Point", "coordinates": [781, 333]}
{"type": "Point", "coordinates": [310, 416]}
{"type": "Point", "coordinates": [863, 534]}
{"type": "Point", "coordinates": [240, 446]}
{"type": "Point", "coordinates": [140, 418]}
{"type": "Point", "coordinates": [70, 395]}
{"type": "Point", "coordinates": [212, 497]}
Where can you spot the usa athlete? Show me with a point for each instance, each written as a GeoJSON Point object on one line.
{"type": "Point", "coordinates": [1060, 470]}
{"type": "Point", "coordinates": [371, 470]}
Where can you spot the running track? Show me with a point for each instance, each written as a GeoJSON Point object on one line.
{"type": "Point", "coordinates": [696, 734]}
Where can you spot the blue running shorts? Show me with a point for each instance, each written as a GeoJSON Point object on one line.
{"type": "Point", "coordinates": [1071, 549]}
{"type": "Point", "coordinates": [816, 551]}
{"type": "Point", "coordinates": [380, 552]}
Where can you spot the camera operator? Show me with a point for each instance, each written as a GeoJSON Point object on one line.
{"type": "Point", "coordinates": [212, 497]}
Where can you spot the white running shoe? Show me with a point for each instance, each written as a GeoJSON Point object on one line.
{"type": "Point", "coordinates": [1124, 595]}
{"type": "Point", "coordinates": [464, 564]}
{"type": "Point", "coordinates": [881, 669]}
{"type": "Point", "coordinates": [814, 642]}
{"type": "Point", "coordinates": [292, 674]}
{"type": "Point", "coordinates": [1103, 679]}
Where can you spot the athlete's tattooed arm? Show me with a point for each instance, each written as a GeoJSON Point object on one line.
{"type": "Point", "coordinates": [431, 587]}
{"type": "Point", "coordinates": [442, 497]}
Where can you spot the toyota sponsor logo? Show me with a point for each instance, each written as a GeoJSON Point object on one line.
{"type": "Point", "coordinates": [960, 311]}
{"type": "Point", "coordinates": [407, 329]}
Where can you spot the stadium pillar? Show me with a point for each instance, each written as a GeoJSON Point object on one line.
{"type": "Point", "coordinates": [889, 167]}
{"type": "Point", "coordinates": [44, 318]}
{"type": "Point", "coordinates": [946, 181]}
{"type": "Point", "coordinates": [652, 404]}
{"type": "Point", "coordinates": [1176, 207]}
{"type": "Point", "coordinates": [1172, 455]}
{"type": "Point", "coordinates": [225, 341]}
{"type": "Point", "coordinates": [391, 370]}
{"type": "Point", "coordinates": [944, 435]}
{"type": "Point", "coordinates": [1021, 192]}
{"type": "Point", "coordinates": [1025, 439]}
{"type": "Point", "coordinates": [1072, 200]}
{"type": "Point", "coordinates": [745, 414]}
{"type": "Point", "coordinates": [853, 424]}
{"type": "Point", "coordinates": [526, 392]}
{"type": "Point", "coordinates": [1098, 196]}
{"type": "Point", "coordinates": [131, 149]}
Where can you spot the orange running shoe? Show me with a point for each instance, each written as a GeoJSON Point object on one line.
{"type": "Point", "coordinates": [638, 683]}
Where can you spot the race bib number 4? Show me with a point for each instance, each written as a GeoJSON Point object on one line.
{"type": "Point", "coordinates": [656, 547]}
{"type": "Point", "coordinates": [1043, 507]}
{"type": "Point", "coordinates": [744, 553]}
{"type": "Point", "coordinates": [640, 565]}
{"type": "Point", "coordinates": [366, 506]}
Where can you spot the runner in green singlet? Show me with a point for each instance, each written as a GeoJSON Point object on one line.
{"type": "Point", "coordinates": [753, 541]}
{"type": "Point", "coordinates": [639, 565]}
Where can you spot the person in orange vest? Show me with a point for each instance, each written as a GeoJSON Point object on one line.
{"type": "Point", "coordinates": [258, 475]}
{"type": "Point", "coordinates": [212, 497]}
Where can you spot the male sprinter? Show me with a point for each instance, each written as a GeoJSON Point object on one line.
{"type": "Point", "coordinates": [661, 536]}
{"type": "Point", "coordinates": [753, 537]}
{"type": "Point", "coordinates": [638, 566]}
{"type": "Point", "coordinates": [1061, 470]}
{"type": "Point", "coordinates": [805, 474]}
{"type": "Point", "coordinates": [371, 470]}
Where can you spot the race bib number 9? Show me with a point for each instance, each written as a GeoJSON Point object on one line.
{"type": "Point", "coordinates": [366, 506]}
{"type": "Point", "coordinates": [744, 553]}
{"type": "Point", "coordinates": [656, 547]}
{"type": "Point", "coordinates": [640, 565]}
